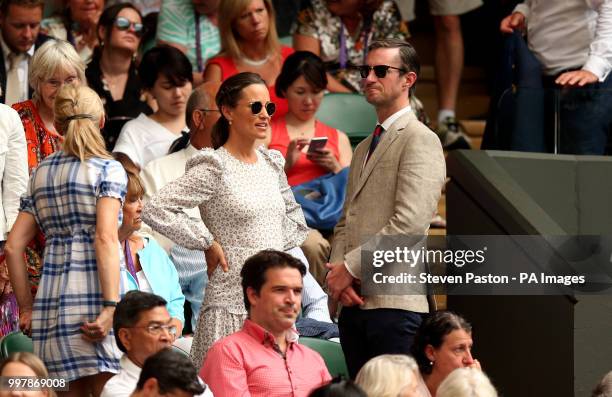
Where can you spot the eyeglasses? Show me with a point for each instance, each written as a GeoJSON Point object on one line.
{"type": "Point", "coordinates": [257, 107]}
{"type": "Point", "coordinates": [123, 23]}
{"type": "Point", "coordinates": [208, 110]}
{"type": "Point", "coordinates": [57, 84]}
{"type": "Point", "coordinates": [379, 70]}
{"type": "Point", "coordinates": [156, 329]}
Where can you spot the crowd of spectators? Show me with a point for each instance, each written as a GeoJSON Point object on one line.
{"type": "Point", "coordinates": [148, 152]}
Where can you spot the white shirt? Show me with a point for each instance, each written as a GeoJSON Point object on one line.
{"type": "Point", "coordinates": [124, 383]}
{"type": "Point", "coordinates": [570, 34]}
{"type": "Point", "coordinates": [13, 167]}
{"type": "Point", "coordinates": [144, 139]}
{"type": "Point", "coordinates": [22, 68]}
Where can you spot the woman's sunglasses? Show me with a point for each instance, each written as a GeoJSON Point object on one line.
{"type": "Point", "coordinates": [123, 23]}
{"type": "Point", "coordinates": [379, 70]}
{"type": "Point", "coordinates": [257, 107]}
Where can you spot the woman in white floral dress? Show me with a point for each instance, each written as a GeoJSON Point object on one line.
{"type": "Point", "coordinates": [245, 202]}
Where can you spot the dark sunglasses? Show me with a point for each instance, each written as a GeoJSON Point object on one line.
{"type": "Point", "coordinates": [379, 70]}
{"type": "Point", "coordinates": [123, 23]}
{"type": "Point", "coordinates": [257, 107]}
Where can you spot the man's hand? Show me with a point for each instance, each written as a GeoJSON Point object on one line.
{"type": "Point", "coordinates": [514, 21]}
{"type": "Point", "coordinates": [576, 78]}
{"type": "Point", "coordinates": [349, 297]}
{"type": "Point", "coordinates": [338, 279]}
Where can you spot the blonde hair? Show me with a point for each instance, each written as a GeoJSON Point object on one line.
{"type": "Point", "coordinates": [33, 362]}
{"type": "Point", "coordinates": [387, 375]}
{"type": "Point", "coordinates": [52, 56]}
{"type": "Point", "coordinates": [229, 12]}
{"type": "Point", "coordinates": [78, 111]}
{"type": "Point", "coordinates": [466, 382]}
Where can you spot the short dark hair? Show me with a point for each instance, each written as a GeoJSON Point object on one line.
{"type": "Point", "coordinates": [338, 387]}
{"type": "Point", "coordinates": [432, 332]}
{"type": "Point", "coordinates": [408, 55]}
{"type": "Point", "coordinates": [301, 63]}
{"type": "Point", "coordinates": [4, 4]}
{"type": "Point", "coordinates": [128, 311]}
{"type": "Point", "coordinates": [228, 95]}
{"type": "Point", "coordinates": [172, 370]}
{"type": "Point", "coordinates": [166, 61]}
{"type": "Point", "coordinates": [108, 16]}
{"type": "Point", "coordinates": [253, 272]}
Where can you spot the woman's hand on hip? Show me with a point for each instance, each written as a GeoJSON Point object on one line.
{"type": "Point", "coordinates": [215, 257]}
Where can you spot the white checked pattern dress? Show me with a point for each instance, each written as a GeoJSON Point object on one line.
{"type": "Point", "coordinates": [62, 196]}
{"type": "Point", "coordinates": [246, 208]}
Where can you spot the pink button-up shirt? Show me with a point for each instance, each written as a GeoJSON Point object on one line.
{"type": "Point", "coordinates": [249, 363]}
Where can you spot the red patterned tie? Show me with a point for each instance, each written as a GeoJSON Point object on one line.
{"type": "Point", "coordinates": [378, 131]}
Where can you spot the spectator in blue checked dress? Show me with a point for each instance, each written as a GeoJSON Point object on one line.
{"type": "Point", "coordinates": [75, 197]}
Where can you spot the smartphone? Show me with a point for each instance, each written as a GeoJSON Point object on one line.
{"type": "Point", "coordinates": [317, 144]}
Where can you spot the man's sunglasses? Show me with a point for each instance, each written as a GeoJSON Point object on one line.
{"type": "Point", "coordinates": [379, 70]}
{"type": "Point", "coordinates": [257, 107]}
{"type": "Point", "coordinates": [123, 23]}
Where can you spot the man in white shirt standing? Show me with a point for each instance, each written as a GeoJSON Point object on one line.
{"type": "Point", "coordinates": [142, 328]}
{"type": "Point", "coordinates": [19, 27]}
{"type": "Point", "coordinates": [572, 39]}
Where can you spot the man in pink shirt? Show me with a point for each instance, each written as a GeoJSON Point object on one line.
{"type": "Point", "coordinates": [264, 358]}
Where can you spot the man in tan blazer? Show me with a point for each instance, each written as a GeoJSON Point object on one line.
{"type": "Point", "coordinates": [394, 185]}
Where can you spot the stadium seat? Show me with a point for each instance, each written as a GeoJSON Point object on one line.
{"type": "Point", "coordinates": [15, 342]}
{"type": "Point", "coordinates": [287, 40]}
{"type": "Point", "coordinates": [349, 113]}
{"type": "Point", "coordinates": [331, 352]}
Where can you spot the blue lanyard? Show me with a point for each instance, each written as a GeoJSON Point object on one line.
{"type": "Point", "coordinates": [130, 262]}
{"type": "Point", "coordinates": [343, 59]}
{"type": "Point", "coordinates": [198, 43]}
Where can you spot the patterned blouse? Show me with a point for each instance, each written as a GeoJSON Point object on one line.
{"type": "Point", "coordinates": [315, 20]}
{"type": "Point", "coordinates": [40, 143]}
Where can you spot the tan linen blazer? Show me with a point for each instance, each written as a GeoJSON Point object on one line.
{"type": "Point", "coordinates": [396, 193]}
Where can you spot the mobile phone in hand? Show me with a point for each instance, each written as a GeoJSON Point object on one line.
{"type": "Point", "coordinates": [317, 144]}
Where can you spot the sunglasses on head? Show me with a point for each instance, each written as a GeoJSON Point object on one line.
{"type": "Point", "coordinates": [123, 23]}
{"type": "Point", "coordinates": [257, 107]}
{"type": "Point", "coordinates": [379, 70]}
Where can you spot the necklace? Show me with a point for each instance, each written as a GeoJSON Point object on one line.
{"type": "Point", "coordinates": [252, 62]}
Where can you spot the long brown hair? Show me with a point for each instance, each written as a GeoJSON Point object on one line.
{"type": "Point", "coordinates": [229, 94]}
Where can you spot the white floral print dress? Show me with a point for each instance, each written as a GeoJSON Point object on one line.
{"type": "Point", "coordinates": [245, 208]}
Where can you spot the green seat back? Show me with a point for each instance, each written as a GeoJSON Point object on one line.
{"type": "Point", "coordinates": [349, 113]}
{"type": "Point", "coordinates": [15, 342]}
{"type": "Point", "coordinates": [331, 352]}
{"type": "Point", "coordinates": [286, 40]}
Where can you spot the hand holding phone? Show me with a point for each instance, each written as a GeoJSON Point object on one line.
{"type": "Point", "coordinates": [317, 144]}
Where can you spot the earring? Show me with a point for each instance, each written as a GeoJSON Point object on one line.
{"type": "Point", "coordinates": [431, 363]}
{"type": "Point", "coordinates": [229, 122]}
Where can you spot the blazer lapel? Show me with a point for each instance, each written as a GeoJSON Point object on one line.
{"type": "Point", "coordinates": [384, 144]}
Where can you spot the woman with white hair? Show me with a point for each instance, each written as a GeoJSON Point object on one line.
{"type": "Point", "coordinates": [54, 64]}
{"type": "Point", "coordinates": [466, 382]}
{"type": "Point", "coordinates": [75, 197]}
{"type": "Point", "coordinates": [390, 375]}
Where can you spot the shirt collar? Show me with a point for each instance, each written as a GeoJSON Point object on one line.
{"type": "Point", "coordinates": [386, 124]}
{"type": "Point", "coordinates": [264, 337]}
{"type": "Point", "coordinates": [129, 366]}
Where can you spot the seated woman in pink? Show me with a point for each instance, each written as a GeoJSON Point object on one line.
{"type": "Point", "coordinates": [302, 81]}
{"type": "Point", "coordinates": [249, 43]}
